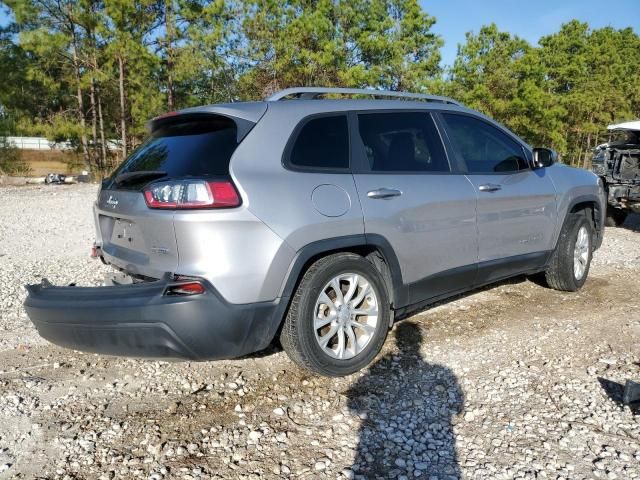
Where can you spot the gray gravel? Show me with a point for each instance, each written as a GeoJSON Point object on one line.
{"type": "Point", "coordinates": [513, 381]}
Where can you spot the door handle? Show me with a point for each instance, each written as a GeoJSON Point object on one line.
{"type": "Point", "coordinates": [490, 187]}
{"type": "Point", "coordinates": [384, 193]}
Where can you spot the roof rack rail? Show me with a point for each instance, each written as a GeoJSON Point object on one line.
{"type": "Point", "coordinates": [310, 93]}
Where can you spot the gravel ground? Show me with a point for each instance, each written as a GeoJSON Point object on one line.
{"type": "Point", "coordinates": [513, 381]}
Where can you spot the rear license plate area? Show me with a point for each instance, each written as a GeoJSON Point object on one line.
{"type": "Point", "coordinates": [126, 234]}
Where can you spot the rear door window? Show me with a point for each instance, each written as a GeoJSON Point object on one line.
{"type": "Point", "coordinates": [321, 144]}
{"type": "Point", "coordinates": [484, 148]}
{"type": "Point", "coordinates": [402, 142]}
{"type": "Point", "coordinates": [192, 148]}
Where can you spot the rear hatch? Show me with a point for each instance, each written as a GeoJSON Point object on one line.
{"type": "Point", "coordinates": [137, 233]}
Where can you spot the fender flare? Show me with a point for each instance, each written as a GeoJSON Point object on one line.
{"type": "Point", "coordinates": [399, 293]}
{"type": "Point", "coordinates": [599, 216]}
{"type": "Point", "coordinates": [327, 246]}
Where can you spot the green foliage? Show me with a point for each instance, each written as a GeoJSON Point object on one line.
{"type": "Point", "coordinates": [500, 74]}
{"type": "Point", "coordinates": [359, 43]}
{"type": "Point", "coordinates": [594, 75]}
{"type": "Point", "coordinates": [561, 94]}
{"type": "Point", "coordinates": [10, 161]}
{"type": "Point", "coordinates": [88, 70]}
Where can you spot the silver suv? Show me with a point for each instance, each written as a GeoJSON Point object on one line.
{"type": "Point", "coordinates": [316, 221]}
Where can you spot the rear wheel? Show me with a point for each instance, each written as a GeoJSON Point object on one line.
{"type": "Point", "coordinates": [339, 316]}
{"type": "Point", "coordinates": [570, 262]}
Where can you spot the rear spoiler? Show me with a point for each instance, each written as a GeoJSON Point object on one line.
{"type": "Point", "coordinates": [244, 115]}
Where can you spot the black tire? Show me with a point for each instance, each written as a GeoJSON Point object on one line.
{"type": "Point", "coordinates": [298, 337]}
{"type": "Point", "coordinates": [560, 273]}
{"type": "Point", "coordinates": [615, 217]}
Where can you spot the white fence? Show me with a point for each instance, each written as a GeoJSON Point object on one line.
{"type": "Point", "coordinates": [37, 143]}
{"type": "Point", "coordinates": [41, 143]}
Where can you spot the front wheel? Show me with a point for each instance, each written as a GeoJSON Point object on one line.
{"type": "Point", "coordinates": [570, 262]}
{"type": "Point", "coordinates": [339, 316]}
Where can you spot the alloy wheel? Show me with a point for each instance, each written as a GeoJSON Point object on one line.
{"type": "Point", "coordinates": [346, 316]}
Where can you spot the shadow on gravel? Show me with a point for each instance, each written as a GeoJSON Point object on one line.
{"type": "Point", "coordinates": [406, 405]}
{"type": "Point", "coordinates": [615, 392]}
{"type": "Point", "coordinates": [632, 223]}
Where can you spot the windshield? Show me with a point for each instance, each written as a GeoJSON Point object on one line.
{"type": "Point", "coordinates": [188, 148]}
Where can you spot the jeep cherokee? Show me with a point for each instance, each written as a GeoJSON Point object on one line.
{"type": "Point", "coordinates": [317, 221]}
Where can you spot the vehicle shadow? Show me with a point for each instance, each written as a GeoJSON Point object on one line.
{"type": "Point", "coordinates": [407, 406]}
{"type": "Point", "coordinates": [615, 392]}
{"type": "Point", "coordinates": [632, 222]}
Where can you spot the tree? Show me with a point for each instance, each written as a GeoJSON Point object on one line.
{"type": "Point", "coordinates": [594, 76]}
{"type": "Point", "coordinates": [196, 51]}
{"type": "Point", "coordinates": [90, 71]}
{"type": "Point", "coordinates": [380, 43]}
{"type": "Point", "coordinates": [390, 45]}
{"type": "Point", "coordinates": [49, 30]}
{"type": "Point", "coordinates": [501, 75]}
{"type": "Point", "coordinates": [10, 161]}
{"type": "Point", "coordinates": [126, 29]}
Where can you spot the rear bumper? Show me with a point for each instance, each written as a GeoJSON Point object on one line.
{"type": "Point", "coordinates": [139, 320]}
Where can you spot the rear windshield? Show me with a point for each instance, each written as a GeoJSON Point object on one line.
{"type": "Point", "coordinates": [191, 148]}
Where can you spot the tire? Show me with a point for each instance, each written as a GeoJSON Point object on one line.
{"type": "Point", "coordinates": [561, 273]}
{"type": "Point", "coordinates": [313, 304]}
{"type": "Point", "coordinates": [615, 216]}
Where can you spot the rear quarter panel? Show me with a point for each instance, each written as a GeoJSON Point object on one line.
{"type": "Point", "coordinates": [234, 250]}
{"type": "Point", "coordinates": [284, 199]}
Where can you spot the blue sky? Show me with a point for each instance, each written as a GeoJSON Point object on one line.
{"type": "Point", "coordinates": [528, 19]}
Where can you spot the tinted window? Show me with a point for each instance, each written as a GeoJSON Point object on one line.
{"type": "Point", "coordinates": [322, 142]}
{"type": "Point", "coordinates": [402, 142]}
{"type": "Point", "coordinates": [188, 148]}
{"type": "Point", "coordinates": [484, 148]}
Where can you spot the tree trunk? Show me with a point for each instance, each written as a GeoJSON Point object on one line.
{"type": "Point", "coordinates": [587, 159]}
{"type": "Point", "coordinates": [586, 152]}
{"type": "Point", "coordinates": [94, 123]}
{"type": "Point", "coordinates": [170, 29]}
{"type": "Point", "coordinates": [123, 109]}
{"type": "Point", "coordinates": [83, 125]}
{"type": "Point", "coordinates": [578, 150]}
{"type": "Point", "coordinates": [103, 143]}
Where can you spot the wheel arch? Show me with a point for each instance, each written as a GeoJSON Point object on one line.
{"type": "Point", "coordinates": [591, 204]}
{"type": "Point", "coordinates": [374, 247]}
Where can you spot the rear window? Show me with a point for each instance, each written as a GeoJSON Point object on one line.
{"type": "Point", "coordinates": [192, 148]}
{"type": "Point", "coordinates": [322, 143]}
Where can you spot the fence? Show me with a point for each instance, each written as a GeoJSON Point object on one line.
{"type": "Point", "coordinates": [41, 143]}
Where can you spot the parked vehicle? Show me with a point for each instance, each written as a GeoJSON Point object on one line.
{"type": "Point", "coordinates": [617, 162]}
{"type": "Point", "coordinates": [317, 222]}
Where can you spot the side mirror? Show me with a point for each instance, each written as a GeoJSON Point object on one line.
{"type": "Point", "coordinates": [544, 157]}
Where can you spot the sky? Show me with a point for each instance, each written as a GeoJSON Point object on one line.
{"type": "Point", "coordinates": [529, 19]}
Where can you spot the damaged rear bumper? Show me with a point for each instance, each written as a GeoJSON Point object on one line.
{"type": "Point", "coordinates": [142, 320]}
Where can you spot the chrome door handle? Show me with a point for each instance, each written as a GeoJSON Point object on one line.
{"type": "Point", "coordinates": [490, 187]}
{"type": "Point", "coordinates": [384, 193]}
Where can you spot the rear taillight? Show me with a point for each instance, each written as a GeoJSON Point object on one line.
{"type": "Point", "coordinates": [192, 288]}
{"type": "Point", "coordinates": [186, 194]}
